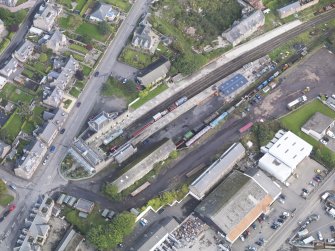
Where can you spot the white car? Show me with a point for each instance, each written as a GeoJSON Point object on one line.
{"type": "Point", "coordinates": [320, 236]}
{"type": "Point", "coordinates": [44, 162]}
{"type": "Point", "coordinates": [323, 141]}
{"type": "Point", "coordinates": [286, 214]}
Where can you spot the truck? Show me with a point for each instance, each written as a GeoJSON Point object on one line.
{"type": "Point", "coordinates": [308, 240]}
{"type": "Point", "coordinates": [296, 102]}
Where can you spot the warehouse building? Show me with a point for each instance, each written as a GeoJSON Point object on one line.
{"type": "Point", "coordinates": [283, 154]}
{"type": "Point", "coordinates": [238, 201]}
{"type": "Point", "coordinates": [140, 169]}
{"type": "Point", "coordinates": [221, 167]}
{"type": "Point", "coordinates": [318, 125]}
{"type": "Point", "coordinates": [154, 237]}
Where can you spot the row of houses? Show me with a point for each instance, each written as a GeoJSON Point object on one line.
{"type": "Point", "coordinates": [30, 161]}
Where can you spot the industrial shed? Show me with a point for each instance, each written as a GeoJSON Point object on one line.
{"type": "Point", "coordinates": [283, 154]}
{"type": "Point", "coordinates": [144, 166]}
{"type": "Point", "coordinates": [221, 167]}
{"type": "Point", "coordinates": [236, 203]}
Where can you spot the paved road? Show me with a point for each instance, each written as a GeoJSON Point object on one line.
{"type": "Point", "coordinates": [47, 178]}
{"type": "Point", "coordinates": [23, 6]}
{"type": "Point", "coordinates": [20, 34]}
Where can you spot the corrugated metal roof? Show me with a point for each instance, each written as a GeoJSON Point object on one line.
{"type": "Point", "coordinates": [233, 84]}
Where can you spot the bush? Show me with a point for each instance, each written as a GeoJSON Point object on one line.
{"type": "Point", "coordinates": [112, 191]}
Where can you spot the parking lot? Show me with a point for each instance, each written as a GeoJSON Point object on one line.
{"type": "Point", "coordinates": [302, 179]}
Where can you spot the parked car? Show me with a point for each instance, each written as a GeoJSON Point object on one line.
{"type": "Point", "coordinates": [322, 141]}
{"type": "Point", "coordinates": [331, 240]}
{"type": "Point", "coordinates": [286, 214]}
{"type": "Point", "coordinates": [78, 104]}
{"type": "Point", "coordinates": [253, 225]}
{"type": "Point", "coordinates": [280, 220]}
{"type": "Point", "coordinates": [13, 187]}
{"type": "Point", "coordinates": [304, 190]}
{"type": "Point", "coordinates": [52, 149]}
{"type": "Point", "coordinates": [6, 213]}
{"type": "Point", "coordinates": [320, 237]}
{"type": "Point", "coordinates": [62, 131]}
{"type": "Point", "coordinates": [282, 217]}
{"type": "Point", "coordinates": [259, 243]}
{"type": "Point", "coordinates": [12, 207]}
{"type": "Point", "coordinates": [332, 228]}
{"type": "Point", "coordinates": [282, 196]}
{"type": "Point", "coordinates": [143, 222]}
{"type": "Point", "coordinates": [96, 74]}
{"type": "Point", "coordinates": [274, 226]}
{"type": "Point", "coordinates": [2, 218]}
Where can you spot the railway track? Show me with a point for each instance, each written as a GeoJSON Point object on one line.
{"type": "Point", "coordinates": [232, 66]}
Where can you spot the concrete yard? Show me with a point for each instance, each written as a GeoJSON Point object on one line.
{"type": "Point", "coordinates": [317, 71]}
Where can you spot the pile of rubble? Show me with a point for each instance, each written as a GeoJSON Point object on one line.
{"type": "Point", "coordinates": [190, 229]}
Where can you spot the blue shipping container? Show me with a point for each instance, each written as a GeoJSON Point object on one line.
{"type": "Point", "coordinates": [216, 121]}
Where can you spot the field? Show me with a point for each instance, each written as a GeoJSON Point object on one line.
{"type": "Point", "coordinates": [91, 30]}
{"type": "Point", "coordinates": [295, 120]}
{"type": "Point", "coordinates": [16, 94]}
{"type": "Point", "coordinates": [151, 95]}
{"type": "Point", "coordinates": [115, 88]}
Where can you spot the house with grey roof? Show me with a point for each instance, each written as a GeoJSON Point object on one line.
{"type": "Point", "coordinates": [245, 28]}
{"type": "Point", "coordinates": [154, 72]}
{"type": "Point", "coordinates": [144, 37]}
{"type": "Point", "coordinates": [53, 127]}
{"type": "Point", "coordinates": [55, 98]}
{"type": "Point", "coordinates": [46, 17]}
{"type": "Point", "coordinates": [57, 42]}
{"type": "Point", "coordinates": [9, 68]}
{"type": "Point", "coordinates": [101, 120]}
{"type": "Point", "coordinates": [318, 125]}
{"type": "Point", "coordinates": [104, 12]}
{"type": "Point", "coordinates": [24, 52]}
{"type": "Point", "coordinates": [33, 238]}
{"type": "Point", "coordinates": [29, 162]}
{"type": "Point", "coordinates": [66, 74]}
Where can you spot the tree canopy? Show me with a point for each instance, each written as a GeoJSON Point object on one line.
{"type": "Point", "coordinates": [107, 237]}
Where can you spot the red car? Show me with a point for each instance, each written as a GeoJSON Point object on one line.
{"type": "Point", "coordinates": [12, 207]}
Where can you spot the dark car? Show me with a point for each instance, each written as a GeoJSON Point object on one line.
{"type": "Point", "coordinates": [280, 220]}
{"type": "Point", "coordinates": [96, 74]}
{"type": "Point", "coordinates": [253, 225]}
{"type": "Point", "coordinates": [6, 213]}
{"type": "Point", "coordinates": [62, 131]}
{"type": "Point", "coordinates": [78, 104]}
{"type": "Point", "coordinates": [52, 149]}
{"type": "Point", "coordinates": [259, 243]}
{"type": "Point", "coordinates": [332, 228]}
{"type": "Point", "coordinates": [319, 177]}
{"type": "Point", "coordinates": [304, 190]}
{"type": "Point", "coordinates": [2, 218]}
{"type": "Point", "coordinates": [282, 196]}
{"type": "Point", "coordinates": [258, 97]}
{"type": "Point", "coordinates": [316, 179]}
{"type": "Point", "coordinates": [273, 226]}
{"type": "Point", "coordinates": [283, 217]}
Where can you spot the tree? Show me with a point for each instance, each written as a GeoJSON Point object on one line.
{"type": "Point", "coordinates": [112, 191]}
{"type": "Point", "coordinates": [79, 75]}
{"type": "Point", "coordinates": [89, 47]}
{"type": "Point", "coordinates": [124, 223]}
{"type": "Point", "coordinates": [86, 39]}
{"type": "Point", "coordinates": [43, 57]}
{"type": "Point", "coordinates": [13, 28]}
{"type": "Point", "coordinates": [103, 28]}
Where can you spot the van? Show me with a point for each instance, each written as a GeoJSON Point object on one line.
{"type": "Point", "coordinates": [320, 237]}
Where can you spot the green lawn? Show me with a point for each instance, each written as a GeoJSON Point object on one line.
{"type": "Point", "coordinates": [37, 116]}
{"type": "Point", "coordinates": [5, 199]}
{"type": "Point", "coordinates": [83, 225]}
{"type": "Point", "coordinates": [78, 48]}
{"type": "Point", "coordinates": [295, 120]}
{"type": "Point", "coordinates": [122, 4]}
{"type": "Point", "coordinates": [4, 44]}
{"type": "Point", "coordinates": [150, 96]}
{"type": "Point", "coordinates": [74, 92]}
{"type": "Point", "coordinates": [15, 94]}
{"type": "Point", "coordinates": [91, 30]}
{"type": "Point", "coordinates": [12, 127]}
{"type": "Point", "coordinates": [66, 3]}
{"type": "Point", "coordinates": [136, 59]}
{"type": "Point", "coordinates": [86, 70]}
{"type": "Point", "coordinates": [28, 127]}
{"type": "Point", "coordinates": [64, 22]}
{"type": "Point", "coordinates": [115, 88]}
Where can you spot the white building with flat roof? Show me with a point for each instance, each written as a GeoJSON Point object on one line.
{"type": "Point", "coordinates": [283, 154]}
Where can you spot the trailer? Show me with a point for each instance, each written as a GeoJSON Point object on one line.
{"type": "Point", "coordinates": [296, 102]}
{"type": "Point", "coordinates": [246, 127]}
{"type": "Point", "coordinates": [157, 116]}
{"type": "Point", "coordinates": [188, 135]}
{"type": "Point", "coordinates": [219, 119]}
